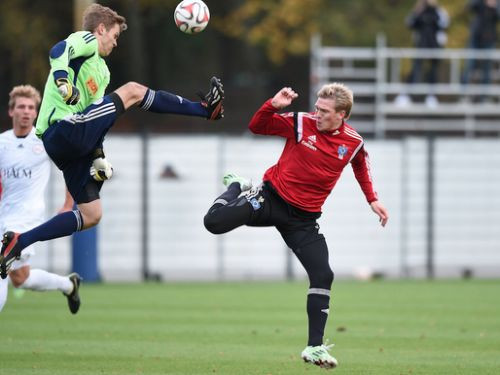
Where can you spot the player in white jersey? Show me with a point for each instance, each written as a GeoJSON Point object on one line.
{"type": "Point", "coordinates": [25, 169]}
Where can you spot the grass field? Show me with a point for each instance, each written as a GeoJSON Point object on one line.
{"type": "Point", "coordinates": [386, 327]}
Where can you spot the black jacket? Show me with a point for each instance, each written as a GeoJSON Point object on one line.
{"type": "Point", "coordinates": [428, 26]}
{"type": "Point", "coordinates": [484, 25]}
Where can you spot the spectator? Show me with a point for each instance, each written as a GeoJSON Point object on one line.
{"type": "Point", "coordinates": [428, 22]}
{"type": "Point", "coordinates": [483, 35]}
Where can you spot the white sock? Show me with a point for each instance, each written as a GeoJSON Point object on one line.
{"type": "Point", "coordinates": [4, 286]}
{"type": "Point", "coordinates": [41, 280]}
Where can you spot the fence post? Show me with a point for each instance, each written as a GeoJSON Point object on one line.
{"type": "Point", "coordinates": [405, 270]}
{"type": "Point", "coordinates": [430, 205]}
{"type": "Point", "coordinates": [221, 248]}
{"type": "Point", "coordinates": [315, 62]}
{"type": "Point", "coordinates": [289, 274]}
{"type": "Point", "coordinates": [380, 82]}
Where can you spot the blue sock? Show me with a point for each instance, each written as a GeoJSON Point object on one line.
{"type": "Point", "coordinates": [60, 225]}
{"type": "Point", "coordinates": [165, 102]}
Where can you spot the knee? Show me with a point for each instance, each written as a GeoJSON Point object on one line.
{"type": "Point", "coordinates": [212, 224]}
{"type": "Point", "coordinates": [322, 278]}
{"type": "Point", "coordinates": [18, 277]}
{"type": "Point", "coordinates": [91, 219]}
{"type": "Point", "coordinates": [136, 91]}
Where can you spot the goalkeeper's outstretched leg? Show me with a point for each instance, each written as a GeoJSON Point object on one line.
{"type": "Point", "coordinates": [210, 107]}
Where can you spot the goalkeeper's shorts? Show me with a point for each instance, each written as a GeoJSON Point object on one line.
{"type": "Point", "coordinates": [71, 141]}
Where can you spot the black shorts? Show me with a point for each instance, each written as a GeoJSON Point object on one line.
{"type": "Point", "coordinates": [71, 142]}
{"type": "Point", "coordinates": [296, 226]}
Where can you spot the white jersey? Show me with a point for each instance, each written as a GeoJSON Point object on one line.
{"type": "Point", "coordinates": [25, 170]}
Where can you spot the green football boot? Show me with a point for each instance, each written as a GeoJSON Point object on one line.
{"type": "Point", "coordinates": [320, 356]}
{"type": "Point", "coordinates": [229, 178]}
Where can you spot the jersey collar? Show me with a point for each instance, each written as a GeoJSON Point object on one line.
{"type": "Point", "coordinates": [339, 130]}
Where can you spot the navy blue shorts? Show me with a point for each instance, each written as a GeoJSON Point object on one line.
{"type": "Point", "coordinates": [71, 142]}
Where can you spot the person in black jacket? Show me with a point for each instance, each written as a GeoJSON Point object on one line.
{"type": "Point", "coordinates": [483, 36]}
{"type": "Point", "coordinates": [428, 22]}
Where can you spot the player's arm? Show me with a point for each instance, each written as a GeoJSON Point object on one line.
{"type": "Point", "coordinates": [76, 45]}
{"type": "Point", "coordinates": [361, 167]}
{"type": "Point", "coordinates": [267, 121]}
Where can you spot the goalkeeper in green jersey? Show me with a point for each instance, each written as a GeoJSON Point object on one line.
{"type": "Point", "coordinates": [75, 115]}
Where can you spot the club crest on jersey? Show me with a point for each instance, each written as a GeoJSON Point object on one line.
{"type": "Point", "coordinates": [255, 204]}
{"type": "Point", "coordinates": [37, 149]}
{"type": "Point", "coordinates": [92, 86]}
{"type": "Point", "coordinates": [342, 150]}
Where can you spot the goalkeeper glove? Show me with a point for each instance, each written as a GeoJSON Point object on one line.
{"type": "Point", "coordinates": [101, 169]}
{"type": "Point", "coordinates": [70, 94]}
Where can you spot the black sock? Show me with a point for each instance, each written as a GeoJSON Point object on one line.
{"type": "Point", "coordinates": [317, 312]}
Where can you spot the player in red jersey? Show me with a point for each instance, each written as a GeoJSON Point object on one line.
{"type": "Point", "coordinates": [318, 147]}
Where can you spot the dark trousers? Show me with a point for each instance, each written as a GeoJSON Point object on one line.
{"type": "Point", "coordinates": [416, 71]}
{"type": "Point", "coordinates": [263, 207]}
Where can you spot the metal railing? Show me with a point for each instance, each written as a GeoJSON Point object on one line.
{"type": "Point", "coordinates": [376, 77]}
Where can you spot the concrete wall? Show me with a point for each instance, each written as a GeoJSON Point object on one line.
{"type": "Point", "coordinates": [466, 201]}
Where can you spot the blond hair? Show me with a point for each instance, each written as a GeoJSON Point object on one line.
{"type": "Point", "coordinates": [341, 94]}
{"type": "Point", "coordinates": [24, 91]}
{"type": "Point", "coordinates": [96, 14]}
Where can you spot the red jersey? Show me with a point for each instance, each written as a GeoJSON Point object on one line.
{"type": "Point", "coordinates": [312, 161]}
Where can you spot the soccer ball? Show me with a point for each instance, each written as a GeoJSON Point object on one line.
{"type": "Point", "coordinates": [191, 16]}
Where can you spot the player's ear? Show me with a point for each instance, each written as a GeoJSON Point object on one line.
{"type": "Point", "coordinates": [101, 29]}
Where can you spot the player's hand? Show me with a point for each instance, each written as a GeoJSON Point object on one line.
{"type": "Point", "coordinates": [283, 98]}
{"type": "Point", "coordinates": [380, 210]}
{"type": "Point", "coordinates": [69, 93]}
{"type": "Point", "coordinates": [101, 169]}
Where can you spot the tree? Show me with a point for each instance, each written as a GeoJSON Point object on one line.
{"type": "Point", "coordinates": [284, 27]}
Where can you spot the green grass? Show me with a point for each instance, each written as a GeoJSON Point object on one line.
{"type": "Point", "coordinates": [387, 327]}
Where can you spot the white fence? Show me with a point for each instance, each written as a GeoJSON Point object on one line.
{"type": "Point", "coordinates": [465, 221]}
{"type": "Point", "coordinates": [376, 77]}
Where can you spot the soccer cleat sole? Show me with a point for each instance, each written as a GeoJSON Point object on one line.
{"type": "Point", "coordinates": [217, 113]}
{"type": "Point", "coordinates": [217, 92]}
{"type": "Point", "coordinates": [74, 301]}
{"type": "Point", "coordinates": [323, 364]}
{"type": "Point", "coordinates": [5, 268]}
{"type": "Point", "coordinates": [9, 240]}
{"type": "Point", "coordinates": [3, 272]}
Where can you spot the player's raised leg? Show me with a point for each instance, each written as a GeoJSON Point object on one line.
{"type": "Point", "coordinates": [159, 101]}
{"type": "Point", "coordinates": [61, 225]}
{"type": "Point", "coordinates": [228, 211]}
{"type": "Point", "coordinates": [87, 215]}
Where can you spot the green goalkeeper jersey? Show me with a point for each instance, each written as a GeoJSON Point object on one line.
{"type": "Point", "coordinates": [86, 69]}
